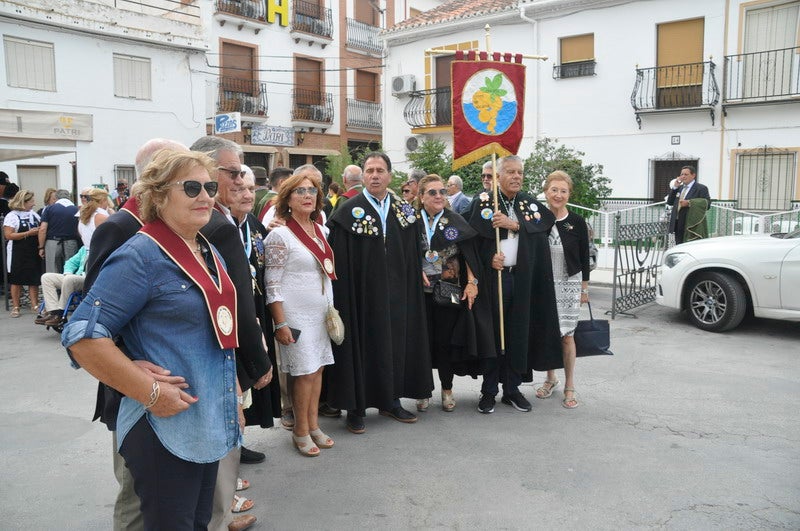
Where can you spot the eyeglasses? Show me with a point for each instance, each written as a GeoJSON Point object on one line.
{"type": "Point", "coordinates": [406, 190]}
{"type": "Point", "coordinates": [434, 193]}
{"type": "Point", "coordinates": [486, 175]}
{"type": "Point", "coordinates": [192, 188]}
{"type": "Point", "coordinates": [86, 197]}
{"type": "Point", "coordinates": [301, 191]}
{"type": "Point", "coordinates": [233, 173]}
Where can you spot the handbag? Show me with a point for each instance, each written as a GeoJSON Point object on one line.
{"type": "Point", "coordinates": [592, 337]}
{"type": "Point", "coordinates": [447, 294]}
{"type": "Point", "coordinates": [334, 325]}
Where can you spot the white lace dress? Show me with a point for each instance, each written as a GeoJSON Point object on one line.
{"type": "Point", "coordinates": [294, 277]}
{"type": "Point", "coordinates": [568, 288]}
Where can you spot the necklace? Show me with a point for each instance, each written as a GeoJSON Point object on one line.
{"type": "Point", "coordinates": [509, 205]}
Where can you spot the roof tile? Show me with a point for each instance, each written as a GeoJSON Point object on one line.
{"type": "Point", "coordinates": [455, 10]}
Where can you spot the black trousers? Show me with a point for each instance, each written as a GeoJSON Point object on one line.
{"type": "Point", "coordinates": [174, 494]}
{"type": "Point", "coordinates": [498, 370]}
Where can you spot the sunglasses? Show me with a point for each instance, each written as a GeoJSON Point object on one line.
{"type": "Point", "coordinates": [233, 173]}
{"type": "Point", "coordinates": [301, 191]}
{"type": "Point", "coordinates": [486, 175]}
{"type": "Point", "coordinates": [434, 193]}
{"type": "Point", "coordinates": [192, 188]}
{"type": "Point", "coordinates": [86, 197]}
{"type": "Point", "coordinates": [406, 190]}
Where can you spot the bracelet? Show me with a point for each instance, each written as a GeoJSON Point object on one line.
{"type": "Point", "coordinates": [585, 291]}
{"type": "Point", "coordinates": [280, 325]}
{"type": "Point", "coordinates": [41, 248]}
{"type": "Point", "coordinates": [154, 395]}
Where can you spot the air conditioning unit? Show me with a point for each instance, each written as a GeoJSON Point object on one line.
{"type": "Point", "coordinates": [403, 84]}
{"type": "Point", "coordinates": [413, 143]}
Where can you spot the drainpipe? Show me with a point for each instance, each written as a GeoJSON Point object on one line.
{"type": "Point", "coordinates": [722, 116]}
{"type": "Point", "coordinates": [533, 23]}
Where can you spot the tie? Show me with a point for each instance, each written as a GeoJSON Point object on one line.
{"type": "Point", "coordinates": [683, 195]}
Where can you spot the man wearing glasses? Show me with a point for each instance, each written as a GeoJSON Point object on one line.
{"type": "Point", "coordinates": [254, 368]}
{"type": "Point", "coordinates": [378, 292]}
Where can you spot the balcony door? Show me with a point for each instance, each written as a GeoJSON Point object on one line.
{"type": "Point", "coordinates": [238, 69]}
{"type": "Point", "coordinates": [442, 101]}
{"type": "Point", "coordinates": [663, 172]}
{"type": "Point", "coordinates": [770, 69]}
{"type": "Point", "coordinates": [309, 96]}
{"type": "Point", "coordinates": [679, 81]}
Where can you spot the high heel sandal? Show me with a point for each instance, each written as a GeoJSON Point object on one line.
{"type": "Point", "coordinates": [15, 311]}
{"type": "Point", "coordinates": [305, 445]}
{"type": "Point", "coordinates": [569, 402]}
{"type": "Point", "coordinates": [547, 388]}
{"type": "Point", "coordinates": [448, 402]}
{"type": "Point", "coordinates": [422, 404]}
{"type": "Point", "coordinates": [321, 439]}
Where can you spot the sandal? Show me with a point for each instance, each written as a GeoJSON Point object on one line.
{"type": "Point", "coordinates": [15, 311]}
{"type": "Point", "coordinates": [242, 484]}
{"type": "Point", "coordinates": [320, 439]}
{"type": "Point", "coordinates": [305, 445]}
{"type": "Point", "coordinates": [547, 388]}
{"type": "Point", "coordinates": [448, 402]}
{"type": "Point", "coordinates": [569, 402]}
{"type": "Point", "coordinates": [422, 404]}
{"type": "Point", "coordinates": [241, 504]}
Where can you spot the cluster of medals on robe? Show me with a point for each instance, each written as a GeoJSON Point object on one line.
{"type": "Point", "coordinates": [257, 241]}
{"type": "Point", "coordinates": [363, 223]}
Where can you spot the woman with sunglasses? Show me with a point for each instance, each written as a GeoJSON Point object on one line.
{"type": "Point", "coordinates": [459, 328]}
{"type": "Point", "coordinates": [299, 271]}
{"type": "Point", "coordinates": [92, 213]}
{"type": "Point", "coordinates": [166, 293]}
{"type": "Point", "coordinates": [23, 264]}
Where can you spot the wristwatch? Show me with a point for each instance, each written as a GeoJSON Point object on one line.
{"type": "Point", "coordinates": [473, 281]}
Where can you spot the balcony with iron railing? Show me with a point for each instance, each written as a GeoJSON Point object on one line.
{"type": "Point", "coordinates": [675, 88]}
{"type": "Point", "coordinates": [312, 108]}
{"type": "Point", "coordinates": [574, 69]}
{"type": "Point", "coordinates": [238, 10]}
{"type": "Point", "coordinates": [313, 22]}
{"type": "Point", "coordinates": [246, 96]}
{"type": "Point", "coordinates": [363, 36]}
{"type": "Point", "coordinates": [771, 76]}
{"type": "Point", "coordinates": [429, 108]}
{"type": "Point", "coordinates": [363, 114]}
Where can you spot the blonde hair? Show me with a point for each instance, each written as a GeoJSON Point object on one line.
{"type": "Point", "coordinates": [558, 175]}
{"type": "Point", "coordinates": [21, 197]}
{"type": "Point", "coordinates": [152, 188]}
{"type": "Point", "coordinates": [50, 192]}
{"type": "Point", "coordinates": [98, 198]}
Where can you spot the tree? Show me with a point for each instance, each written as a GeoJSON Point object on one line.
{"type": "Point", "coordinates": [431, 157]}
{"type": "Point", "coordinates": [335, 164]}
{"type": "Point", "coordinates": [589, 183]}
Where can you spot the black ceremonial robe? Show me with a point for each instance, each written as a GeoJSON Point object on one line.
{"type": "Point", "coordinates": [378, 293]}
{"type": "Point", "coordinates": [533, 339]}
{"type": "Point", "coordinates": [267, 401]}
{"type": "Point", "coordinates": [461, 335]}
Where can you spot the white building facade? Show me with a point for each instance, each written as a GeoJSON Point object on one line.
{"type": "Point", "coordinates": [641, 87]}
{"type": "Point", "coordinates": [85, 83]}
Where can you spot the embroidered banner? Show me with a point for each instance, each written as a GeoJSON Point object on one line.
{"type": "Point", "coordinates": [488, 105]}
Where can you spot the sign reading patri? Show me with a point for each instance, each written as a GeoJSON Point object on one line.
{"type": "Point", "coordinates": [228, 123]}
{"type": "Point", "coordinates": [270, 135]}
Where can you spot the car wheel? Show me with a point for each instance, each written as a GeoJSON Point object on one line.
{"type": "Point", "coordinates": [716, 302]}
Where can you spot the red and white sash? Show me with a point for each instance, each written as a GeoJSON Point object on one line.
{"type": "Point", "coordinates": [324, 256]}
{"type": "Point", "coordinates": [131, 206]}
{"type": "Point", "coordinates": [220, 296]}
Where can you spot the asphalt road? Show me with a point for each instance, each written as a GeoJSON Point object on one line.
{"type": "Point", "coordinates": [681, 429]}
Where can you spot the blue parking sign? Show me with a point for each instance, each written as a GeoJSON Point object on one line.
{"type": "Point", "coordinates": [228, 123]}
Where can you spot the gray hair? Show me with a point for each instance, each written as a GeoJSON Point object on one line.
{"type": "Point", "coordinates": [352, 173]}
{"type": "Point", "coordinates": [307, 167]}
{"type": "Point", "coordinates": [212, 145]}
{"type": "Point", "coordinates": [455, 179]}
{"type": "Point", "coordinates": [149, 148]}
{"type": "Point", "coordinates": [62, 194]}
{"type": "Point", "coordinates": [417, 174]}
{"type": "Point", "coordinates": [510, 158]}
{"type": "Point", "coordinates": [487, 165]}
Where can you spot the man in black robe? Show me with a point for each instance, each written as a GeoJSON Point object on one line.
{"type": "Point", "coordinates": [532, 337]}
{"type": "Point", "coordinates": [378, 292]}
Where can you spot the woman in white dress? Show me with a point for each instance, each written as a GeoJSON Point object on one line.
{"type": "Point", "coordinates": [569, 251]}
{"type": "Point", "coordinates": [92, 213]}
{"type": "Point", "coordinates": [299, 269]}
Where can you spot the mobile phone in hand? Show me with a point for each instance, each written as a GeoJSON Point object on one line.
{"type": "Point", "coordinates": [295, 333]}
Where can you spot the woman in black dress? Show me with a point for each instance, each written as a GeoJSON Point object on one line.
{"type": "Point", "coordinates": [21, 229]}
{"type": "Point", "coordinates": [460, 326]}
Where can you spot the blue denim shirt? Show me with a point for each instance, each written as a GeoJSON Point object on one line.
{"type": "Point", "coordinates": [144, 297]}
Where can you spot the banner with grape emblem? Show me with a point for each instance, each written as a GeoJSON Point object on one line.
{"type": "Point", "coordinates": [488, 105]}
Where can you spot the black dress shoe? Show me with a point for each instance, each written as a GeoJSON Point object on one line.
{"type": "Point", "coordinates": [327, 411]}
{"type": "Point", "coordinates": [251, 457]}
{"type": "Point", "coordinates": [355, 424]}
{"type": "Point", "coordinates": [400, 414]}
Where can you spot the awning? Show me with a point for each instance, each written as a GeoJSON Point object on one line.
{"type": "Point", "coordinates": [311, 151]}
{"type": "Point", "coordinates": [248, 148]}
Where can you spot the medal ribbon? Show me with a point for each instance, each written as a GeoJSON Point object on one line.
{"type": "Point", "coordinates": [321, 255]}
{"type": "Point", "coordinates": [382, 207]}
{"type": "Point", "coordinates": [429, 231]}
{"type": "Point", "coordinates": [220, 297]}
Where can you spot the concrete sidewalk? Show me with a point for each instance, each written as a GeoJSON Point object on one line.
{"type": "Point", "coordinates": [681, 429]}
